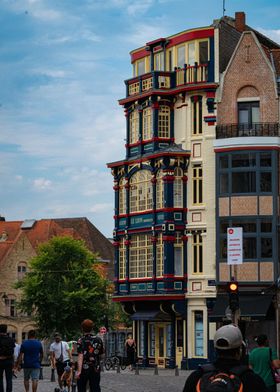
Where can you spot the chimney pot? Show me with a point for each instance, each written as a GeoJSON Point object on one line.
{"type": "Point", "coordinates": [240, 21]}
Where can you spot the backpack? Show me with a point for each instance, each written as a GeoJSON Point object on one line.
{"type": "Point", "coordinates": [214, 380]}
{"type": "Point", "coordinates": [6, 346]}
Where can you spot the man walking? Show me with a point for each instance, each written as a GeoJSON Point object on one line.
{"type": "Point", "coordinates": [262, 359]}
{"type": "Point", "coordinates": [60, 356]}
{"type": "Point", "coordinates": [90, 349]}
{"type": "Point", "coordinates": [6, 359]}
{"type": "Point", "coordinates": [228, 343]}
{"type": "Point", "coordinates": [31, 354]}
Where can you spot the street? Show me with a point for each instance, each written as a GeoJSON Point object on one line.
{"type": "Point", "coordinates": [111, 381]}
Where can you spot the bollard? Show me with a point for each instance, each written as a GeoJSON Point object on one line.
{"type": "Point", "coordinates": [41, 374]}
{"type": "Point", "coordinates": [102, 366]}
{"type": "Point", "coordinates": [176, 371]}
{"type": "Point", "coordinates": [137, 370]}
{"type": "Point", "coordinates": [52, 376]}
{"type": "Point", "coordinates": [73, 387]}
{"type": "Point", "coordinates": [156, 371]}
{"type": "Point", "coordinates": [118, 368]}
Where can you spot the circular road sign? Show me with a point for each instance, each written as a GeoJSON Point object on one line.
{"type": "Point", "coordinates": [102, 330]}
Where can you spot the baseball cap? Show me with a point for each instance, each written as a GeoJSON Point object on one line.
{"type": "Point", "coordinates": [228, 337]}
{"type": "Point", "coordinates": [57, 335]}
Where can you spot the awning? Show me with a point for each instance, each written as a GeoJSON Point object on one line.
{"type": "Point", "coordinates": [252, 307]}
{"type": "Point", "coordinates": [150, 315]}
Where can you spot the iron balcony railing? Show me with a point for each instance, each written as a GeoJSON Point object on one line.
{"type": "Point", "coordinates": [188, 75]}
{"type": "Point", "coordinates": [224, 131]}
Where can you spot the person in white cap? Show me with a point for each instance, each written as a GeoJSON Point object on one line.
{"type": "Point", "coordinates": [228, 342]}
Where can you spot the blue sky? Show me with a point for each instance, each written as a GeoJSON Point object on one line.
{"type": "Point", "coordinates": [63, 63]}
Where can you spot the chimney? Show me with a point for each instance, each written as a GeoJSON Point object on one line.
{"type": "Point", "coordinates": [240, 21]}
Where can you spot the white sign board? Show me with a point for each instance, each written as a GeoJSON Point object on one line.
{"type": "Point", "coordinates": [234, 245]}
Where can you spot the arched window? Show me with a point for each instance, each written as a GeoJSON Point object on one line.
{"type": "Point", "coordinates": [133, 127]}
{"type": "Point", "coordinates": [159, 256]}
{"type": "Point", "coordinates": [178, 188]}
{"type": "Point", "coordinates": [122, 196]}
{"type": "Point", "coordinates": [141, 191]}
{"type": "Point", "coordinates": [21, 270]}
{"type": "Point", "coordinates": [122, 259]}
{"type": "Point", "coordinates": [159, 190]}
{"type": "Point", "coordinates": [164, 121]}
{"type": "Point", "coordinates": [147, 124]}
{"type": "Point", "coordinates": [141, 256]}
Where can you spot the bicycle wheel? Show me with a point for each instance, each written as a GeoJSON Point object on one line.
{"type": "Point", "coordinates": [108, 364]}
{"type": "Point", "coordinates": [115, 362]}
{"type": "Point", "coordinates": [123, 364]}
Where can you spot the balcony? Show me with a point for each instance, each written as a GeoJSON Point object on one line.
{"type": "Point", "coordinates": [162, 80]}
{"type": "Point", "coordinates": [225, 131]}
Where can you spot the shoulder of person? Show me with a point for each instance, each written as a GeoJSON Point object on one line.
{"type": "Point", "coordinates": [192, 380]}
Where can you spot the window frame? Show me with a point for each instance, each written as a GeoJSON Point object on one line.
{"type": "Point", "coordinates": [140, 256]}
{"type": "Point", "coordinates": [141, 191]}
{"type": "Point", "coordinates": [197, 184]}
{"type": "Point", "coordinates": [197, 253]}
{"type": "Point", "coordinates": [122, 259]}
{"type": "Point", "coordinates": [164, 114]}
{"type": "Point", "coordinates": [134, 128]}
{"type": "Point", "coordinates": [147, 124]}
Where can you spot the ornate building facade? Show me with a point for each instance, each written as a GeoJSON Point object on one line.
{"type": "Point", "coordinates": [167, 228]}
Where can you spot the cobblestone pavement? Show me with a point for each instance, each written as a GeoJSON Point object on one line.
{"type": "Point", "coordinates": [125, 381]}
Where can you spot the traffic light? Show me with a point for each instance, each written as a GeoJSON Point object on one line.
{"type": "Point", "coordinates": [233, 296]}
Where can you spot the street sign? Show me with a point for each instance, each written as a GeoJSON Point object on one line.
{"type": "Point", "coordinates": [234, 245]}
{"type": "Point", "coordinates": [102, 330]}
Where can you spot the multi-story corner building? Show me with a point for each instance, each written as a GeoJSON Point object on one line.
{"type": "Point", "coordinates": [247, 172]}
{"type": "Point", "coordinates": [166, 222]}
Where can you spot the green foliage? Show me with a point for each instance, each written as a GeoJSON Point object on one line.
{"type": "Point", "coordinates": [63, 288]}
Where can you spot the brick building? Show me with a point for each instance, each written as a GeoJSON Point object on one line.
{"type": "Point", "coordinates": [174, 198]}
{"type": "Point", "coordinates": [18, 243]}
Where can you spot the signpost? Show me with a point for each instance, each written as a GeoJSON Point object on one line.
{"type": "Point", "coordinates": [102, 330]}
{"type": "Point", "coordinates": [234, 257]}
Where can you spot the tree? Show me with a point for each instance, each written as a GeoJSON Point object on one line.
{"type": "Point", "coordinates": [62, 288]}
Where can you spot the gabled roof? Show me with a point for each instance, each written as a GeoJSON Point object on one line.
{"type": "Point", "coordinates": [43, 230]}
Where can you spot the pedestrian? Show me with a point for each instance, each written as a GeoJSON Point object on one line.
{"type": "Point", "coordinates": [61, 356]}
{"type": "Point", "coordinates": [262, 359]}
{"type": "Point", "coordinates": [30, 357]}
{"type": "Point", "coordinates": [130, 347]}
{"type": "Point", "coordinates": [226, 371]}
{"type": "Point", "coordinates": [7, 345]}
{"type": "Point", "coordinates": [90, 349]}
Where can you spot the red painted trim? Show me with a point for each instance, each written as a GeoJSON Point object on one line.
{"type": "Point", "coordinates": [140, 280]}
{"type": "Point", "coordinates": [183, 37]}
{"type": "Point", "coordinates": [186, 154]}
{"type": "Point", "coordinates": [175, 91]}
{"type": "Point", "coordinates": [211, 123]}
{"type": "Point", "coordinates": [168, 238]}
{"type": "Point", "coordinates": [148, 298]}
{"type": "Point", "coordinates": [247, 148]}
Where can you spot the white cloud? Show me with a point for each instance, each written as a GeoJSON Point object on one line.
{"type": "Point", "coordinates": [19, 178]}
{"type": "Point", "coordinates": [273, 34]}
{"type": "Point", "coordinates": [101, 207]}
{"type": "Point", "coordinates": [42, 184]}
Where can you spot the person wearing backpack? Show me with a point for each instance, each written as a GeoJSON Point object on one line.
{"type": "Point", "coordinates": [90, 349]}
{"type": "Point", "coordinates": [262, 359]}
{"type": "Point", "coordinates": [7, 346]}
{"type": "Point", "coordinates": [226, 373]}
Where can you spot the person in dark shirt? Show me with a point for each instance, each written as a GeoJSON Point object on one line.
{"type": "Point", "coordinates": [7, 345]}
{"type": "Point", "coordinates": [228, 343]}
{"type": "Point", "coordinates": [90, 349]}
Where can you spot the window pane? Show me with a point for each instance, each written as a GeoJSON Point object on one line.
{"type": "Point", "coordinates": [266, 247]}
{"type": "Point", "coordinates": [243, 116]}
{"type": "Point", "coordinates": [255, 115]}
{"type": "Point", "coordinates": [249, 248]}
{"type": "Point", "coordinates": [141, 67]}
{"type": "Point", "coordinates": [223, 248]}
{"type": "Point", "coordinates": [224, 183]}
{"type": "Point", "coordinates": [223, 162]}
{"type": "Point", "coordinates": [248, 227]}
{"type": "Point", "coordinates": [159, 64]}
{"type": "Point", "coordinates": [266, 227]}
{"type": "Point", "coordinates": [191, 54]}
{"type": "Point", "coordinates": [181, 56]}
{"type": "Point", "coordinates": [178, 258]}
{"type": "Point", "coordinates": [203, 52]}
{"type": "Point", "coordinates": [198, 330]}
{"type": "Point", "coordinates": [265, 159]}
{"type": "Point", "coordinates": [244, 182]}
{"type": "Point", "coordinates": [244, 160]}
{"type": "Point", "coordinates": [265, 182]}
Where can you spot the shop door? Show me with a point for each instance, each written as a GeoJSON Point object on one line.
{"type": "Point", "coordinates": [160, 345]}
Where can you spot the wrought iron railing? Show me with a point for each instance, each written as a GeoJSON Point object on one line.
{"type": "Point", "coordinates": [224, 131]}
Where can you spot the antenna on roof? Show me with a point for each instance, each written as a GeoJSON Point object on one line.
{"type": "Point", "coordinates": [224, 5]}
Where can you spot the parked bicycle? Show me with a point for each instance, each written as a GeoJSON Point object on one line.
{"type": "Point", "coordinates": [115, 361]}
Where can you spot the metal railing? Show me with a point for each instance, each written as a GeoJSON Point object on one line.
{"type": "Point", "coordinates": [224, 131]}
{"type": "Point", "coordinates": [189, 74]}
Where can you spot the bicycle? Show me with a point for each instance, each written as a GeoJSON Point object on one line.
{"type": "Point", "coordinates": [115, 361]}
